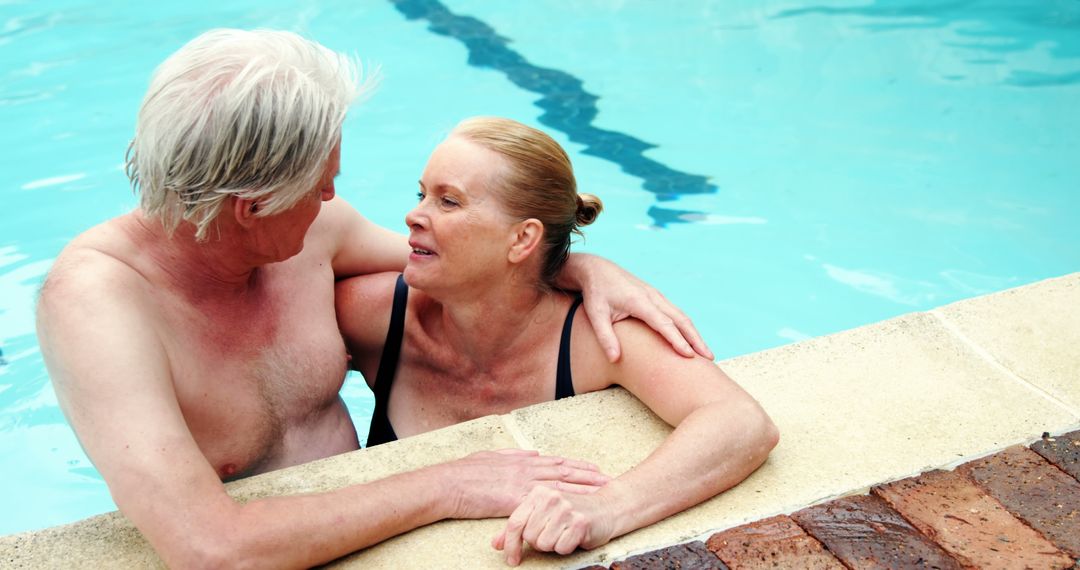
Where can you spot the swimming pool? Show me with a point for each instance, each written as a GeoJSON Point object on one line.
{"type": "Point", "coordinates": [781, 170]}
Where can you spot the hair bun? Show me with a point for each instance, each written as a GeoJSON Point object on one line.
{"type": "Point", "coordinates": [588, 207]}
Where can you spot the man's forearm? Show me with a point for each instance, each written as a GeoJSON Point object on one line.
{"type": "Point", "coordinates": [305, 530]}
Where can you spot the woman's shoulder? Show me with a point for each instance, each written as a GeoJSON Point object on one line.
{"type": "Point", "coordinates": [588, 361]}
{"type": "Point", "coordinates": [640, 348]}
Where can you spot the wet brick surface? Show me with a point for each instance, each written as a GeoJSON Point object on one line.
{"type": "Point", "coordinates": [689, 556]}
{"type": "Point", "coordinates": [969, 524]}
{"type": "Point", "coordinates": [775, 542]}
{"type": "Point", "coordinates": [1063, 451]}
{"type": "Point", "coordinates": [1028, 486]}
{"type": "Point", "coordinates": [865, 533]}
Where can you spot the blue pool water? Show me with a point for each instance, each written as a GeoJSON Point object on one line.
{"type": "Point", "coordinates": [781, 169]}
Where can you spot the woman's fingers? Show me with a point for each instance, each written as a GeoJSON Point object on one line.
{"type": "Point", "coordinates": [572, 537]}
{"type": "Point", "coordinates": [512, 540]}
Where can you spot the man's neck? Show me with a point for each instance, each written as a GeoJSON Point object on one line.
{"type": "Point", "coordinates": [217, 267]}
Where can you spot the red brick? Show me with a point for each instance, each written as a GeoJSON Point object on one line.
{"type": "Point", "coordinates": [970, 524]}
{"type": "Point", "coordinates": [1035, 491]}
{"type": "Point", "coordinates": [865, 533]}
{"type": "Point", "coordinates": [689, 556]}
{"type": "Point", "coordinates": [1063, 451]}
{"type": "Point", "coordinates": [775, 542]}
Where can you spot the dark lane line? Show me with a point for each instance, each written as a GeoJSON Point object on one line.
{"type": "Point", "coordinates": [567, 106]}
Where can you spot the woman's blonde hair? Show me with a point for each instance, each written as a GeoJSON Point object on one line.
{"type": "Point", "coordinates": [538, 183]}
{"type": "Point", "coordinates": [252, 114]}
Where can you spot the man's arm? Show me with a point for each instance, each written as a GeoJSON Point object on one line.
{"type": "Point", "coordinates": [360, 246]}
{"type": "Point", "coordinates": [112, 377]}
{"type": "Point", "coordinates": [612, 294]}
{"type": "Point", "coordinates": [722, 436]}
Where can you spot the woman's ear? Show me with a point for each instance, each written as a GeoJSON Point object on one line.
{"type": "Point", "coordinates": [527, 237]}
{"type": "Point", "coordinates": [244, 211]}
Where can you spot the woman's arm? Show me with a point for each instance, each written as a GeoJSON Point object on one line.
{"type": "Point", "coordinates": [722, 435]}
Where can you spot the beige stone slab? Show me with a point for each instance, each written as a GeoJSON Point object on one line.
{"type": "Point", "coordinates": [111, 541]}
{"type": "Point", "coordinates": [1034, 331]}
{"type": "Point", "coordinates": [854, 409]}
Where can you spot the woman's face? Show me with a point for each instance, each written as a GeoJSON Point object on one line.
{"type": "Point", "coordinates": [459, 233]}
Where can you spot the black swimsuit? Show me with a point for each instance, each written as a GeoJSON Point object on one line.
{"type": "Point", "coordinates": [381, 431]}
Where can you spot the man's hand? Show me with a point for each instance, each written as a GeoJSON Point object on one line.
{"type": "Point", "coordinates": [613, 294]}
{"type": "Point", "coordinates": [552, 521]}
{"type": "Point", "coordinates": [493, 483]}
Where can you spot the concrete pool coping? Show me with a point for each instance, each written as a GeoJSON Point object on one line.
{"type": "Point", "coordinates": [855, 409]}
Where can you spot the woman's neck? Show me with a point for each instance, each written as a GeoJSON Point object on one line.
{"type": "Point", "coordinates": [497, 324]}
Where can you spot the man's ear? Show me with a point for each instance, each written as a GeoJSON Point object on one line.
{"type": "Point", "coordinates": [244, 211]}
{"type": "Point", "coordinates": [528, 235]}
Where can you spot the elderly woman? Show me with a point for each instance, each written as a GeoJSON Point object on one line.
{"type": "Point", "coordinates": [475, 327]}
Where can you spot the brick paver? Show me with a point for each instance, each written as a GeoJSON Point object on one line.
{"type": "Point", "coordinates": [775, 542]}
{"type": "Point", "coordinates": [689, 556]}
{"type": "Point", "coordinates": [970, 524]}
{"type": "Point", "coordinates": [865, 533]}
{"type": "Point", "coordinates": [1035, 491]}
{"type": "Point", "coordinates": [1063, 451]}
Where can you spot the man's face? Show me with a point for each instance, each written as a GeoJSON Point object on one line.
{"type": "Point", "coordinates": [284, 233]}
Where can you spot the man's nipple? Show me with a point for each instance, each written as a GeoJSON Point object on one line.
{"type": "Point", "coordinates": [227, 470]}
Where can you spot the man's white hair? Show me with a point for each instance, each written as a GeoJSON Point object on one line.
{"type": "Point", "coordinates": [252, 114]}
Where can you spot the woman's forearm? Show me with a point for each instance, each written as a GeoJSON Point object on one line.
{"type": "Point", "coordinates": [713, 449]}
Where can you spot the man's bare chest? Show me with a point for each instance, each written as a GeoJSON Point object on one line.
{"type": "Point", "coordinates": [251, 381]}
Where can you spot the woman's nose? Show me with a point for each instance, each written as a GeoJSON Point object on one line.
{"type": "Point", "coordinates": [413, 217]}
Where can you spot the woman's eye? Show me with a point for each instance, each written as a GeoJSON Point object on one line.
{"type": "Point", "coordinates": [419, 196]}
{"type": "Point", "coordinates": [449, 202]}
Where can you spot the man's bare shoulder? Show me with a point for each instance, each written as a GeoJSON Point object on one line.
{"type": "Point", "coordinates": [102, 263]}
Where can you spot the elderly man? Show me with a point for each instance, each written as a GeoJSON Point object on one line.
{"type": "Point", "coordinates": [193, 340]}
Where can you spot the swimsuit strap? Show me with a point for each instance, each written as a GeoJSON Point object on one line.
{"type": "Point", "coordinates": [564, 380]}
{"type": "Point", "coordinates": [381, 431]}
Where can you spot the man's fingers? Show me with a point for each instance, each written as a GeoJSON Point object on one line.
{"type": "Point", "coordinates": [600, 316]}
{"type": "Point", "coordinates": [691, 334]}
{"type": "Point", "coordinates": [664, 325]}
{"type": "Point", "coordinates": [515, 451]}
{"type": "Point", "coordinates": [578, 464]}
{"type": "Point", "coordinates": [581, 476]}
{"type": "Point", "coordinates": [498, 540]}
{"type": "Point", "coordinates": [575, 488]}
{"type": "Point", "coordinates": [686, 327]}
{"type": "Point", "coordinates": [566, 461]}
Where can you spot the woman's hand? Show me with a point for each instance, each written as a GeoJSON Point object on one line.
{"type": "Point", "coordinates": [493, 483]}
{"type": "Point", "coordinates": [553, 521]}
{"type": "Point", "coordinates": [613, 294]}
